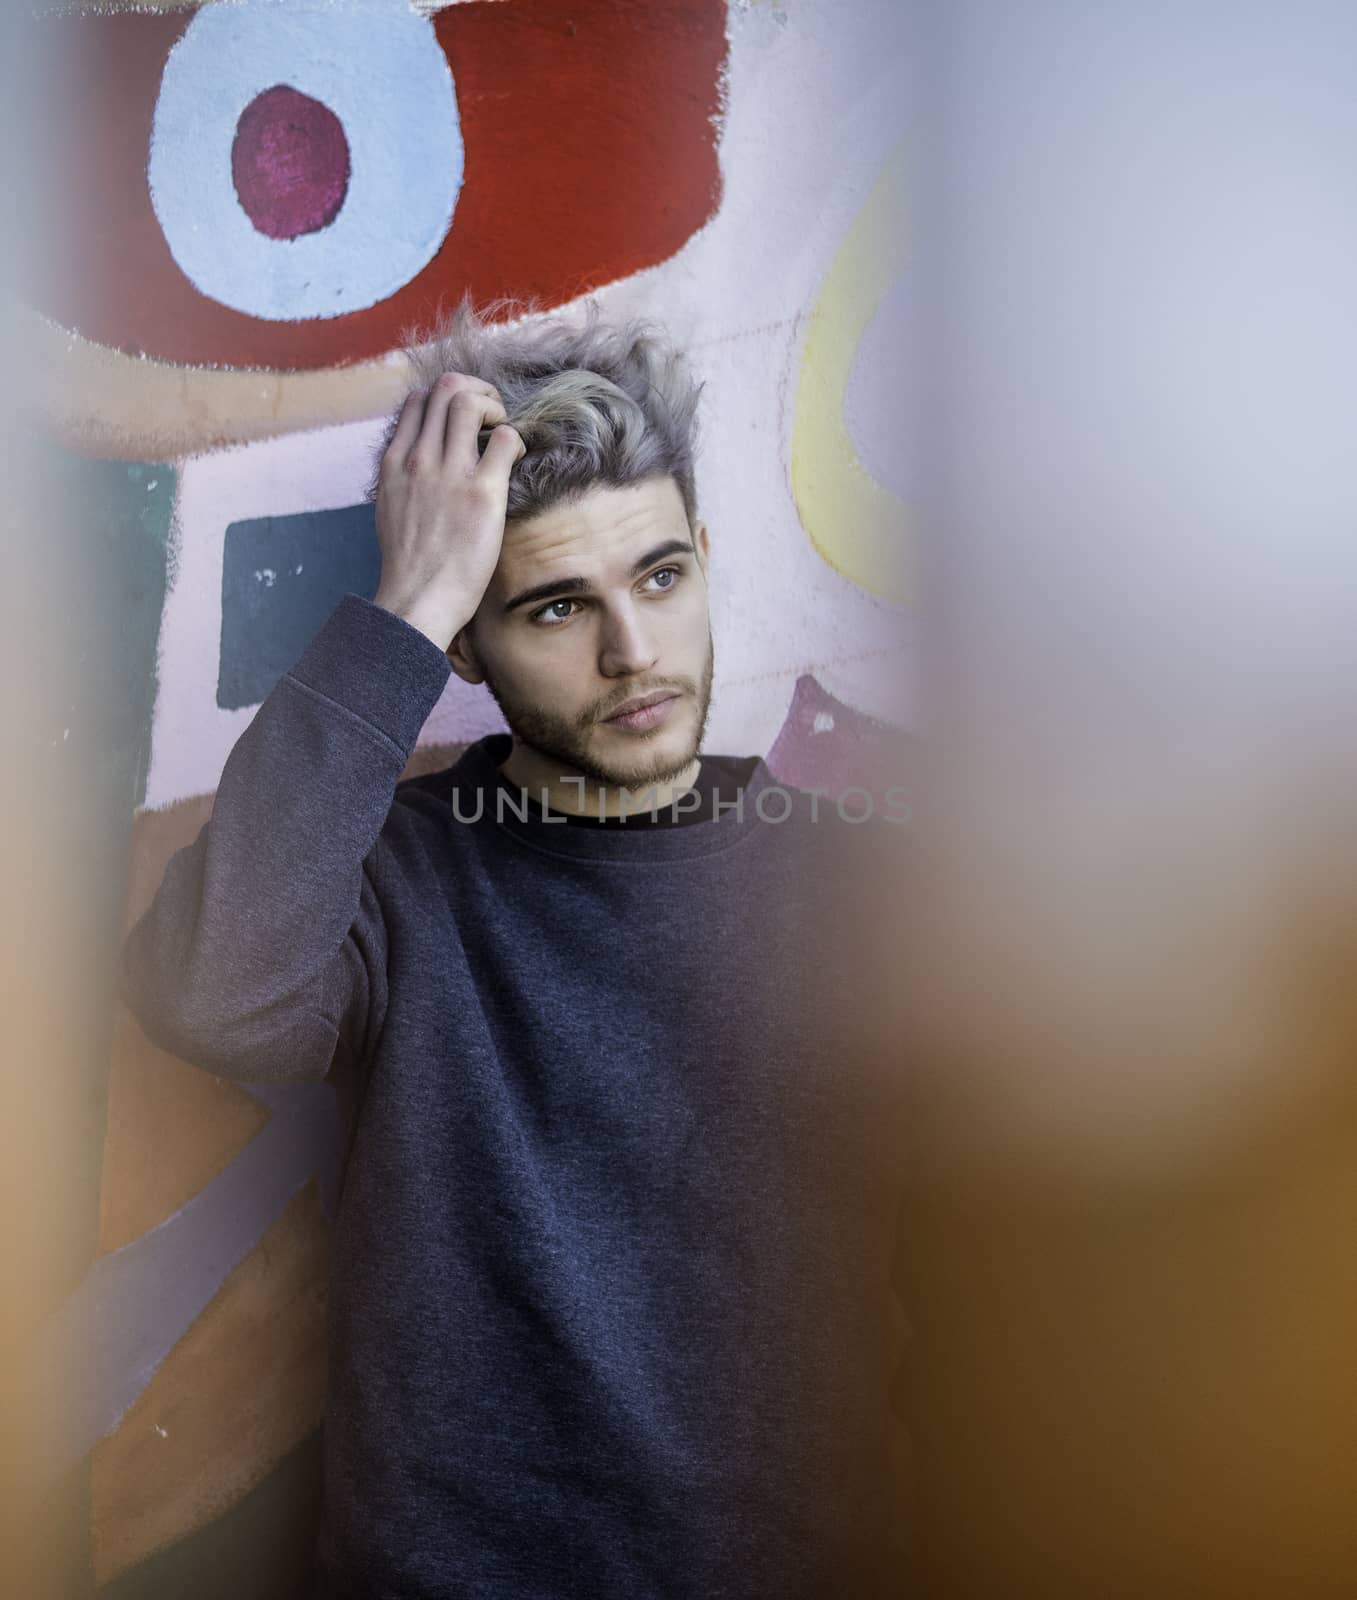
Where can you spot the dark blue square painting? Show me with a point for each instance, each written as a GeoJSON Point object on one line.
{"type": "Point", "coordinates": [281, 579]}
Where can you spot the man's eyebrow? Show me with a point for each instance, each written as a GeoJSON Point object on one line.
{"type": "Point", "coordinates": [564, 586]}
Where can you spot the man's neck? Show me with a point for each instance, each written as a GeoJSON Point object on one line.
{"type": "Point", "coordinates": [566, 790]}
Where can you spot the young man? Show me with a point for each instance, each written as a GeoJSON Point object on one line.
{"type": "Point", "coordinates": [611, 1261]}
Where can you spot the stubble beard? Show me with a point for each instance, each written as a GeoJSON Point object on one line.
{"type": "Point", "coordinates": [568, 742]}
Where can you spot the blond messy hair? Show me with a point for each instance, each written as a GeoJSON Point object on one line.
{"type": "Point", "coordinates": [596, 401]}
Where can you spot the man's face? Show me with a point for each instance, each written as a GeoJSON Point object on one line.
{"type": "Point", "coordinates": [591, 605]}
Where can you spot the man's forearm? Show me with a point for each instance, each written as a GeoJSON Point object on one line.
{"type": "Point", "coordinates": [265, 941]}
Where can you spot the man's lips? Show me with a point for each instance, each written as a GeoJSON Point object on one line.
{"type": "Point", "coordinates": [640, 703]}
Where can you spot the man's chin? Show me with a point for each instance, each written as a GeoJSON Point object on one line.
{"type": "Point", "coordinates": [636, 760]}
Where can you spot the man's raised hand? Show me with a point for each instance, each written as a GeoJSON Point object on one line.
{"type": "Point", "coordinates": [441, 503]}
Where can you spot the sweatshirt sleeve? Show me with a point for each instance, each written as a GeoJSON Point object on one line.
{"type": "Point", "coordinates": [262, 956]}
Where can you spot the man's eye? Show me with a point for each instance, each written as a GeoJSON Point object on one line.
{"type": "Point", "coordinates": [672, 571]}
{"type": "Point", "coordinates": [541, 615]}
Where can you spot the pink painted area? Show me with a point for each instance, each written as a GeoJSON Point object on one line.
{"type": "Point", "coordinates": [289, 163]}
{"type": "Point", "coordinates": [827, 745]}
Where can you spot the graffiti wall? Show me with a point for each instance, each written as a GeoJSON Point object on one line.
{"type": "Point", "coordinates": [247, 205]}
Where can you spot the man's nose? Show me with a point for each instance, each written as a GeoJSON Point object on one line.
{"type": "Point", "coordinates": [626, 644]}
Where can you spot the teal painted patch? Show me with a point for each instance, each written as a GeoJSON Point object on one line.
{"type": "Point", "coordinates": [122, 549]}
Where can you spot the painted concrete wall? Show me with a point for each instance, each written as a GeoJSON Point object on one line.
{"type": "Point", "coordinates": [217, 367]}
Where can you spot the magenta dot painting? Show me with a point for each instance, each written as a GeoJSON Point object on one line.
{"type": "Point", "coordinates": [289, 163]}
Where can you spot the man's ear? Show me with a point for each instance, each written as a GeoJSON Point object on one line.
{"type": "Point", "coordinates": [462, 654]}
{"type": "Point", "coordinates": [700, 544]}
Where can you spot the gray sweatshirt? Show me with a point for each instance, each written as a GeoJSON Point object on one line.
{"type": "Point", "coordinates": [610, 1267]}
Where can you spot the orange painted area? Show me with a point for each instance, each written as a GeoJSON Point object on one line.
{"type": "Point", "coordinates": [171, 1129]}
{"type": "Point", "coordinates": [243, 1387]}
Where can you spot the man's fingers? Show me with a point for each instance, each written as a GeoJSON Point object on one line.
{"type": "Point", "coordinates": [432, 434]}
{"type": "Point", "coordinates": [504, 449]}
{"type": "Point", "coordinates": [430, 426]}
{"type": "Point", "coordinates": [462, 383]}
{"type": "Point", "coordinates": [468, 413]}
{"type": "Point", "coordinates": [407, 428]}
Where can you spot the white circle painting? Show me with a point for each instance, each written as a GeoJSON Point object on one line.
{"type": "Point", "coordinates": [305, 159]}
